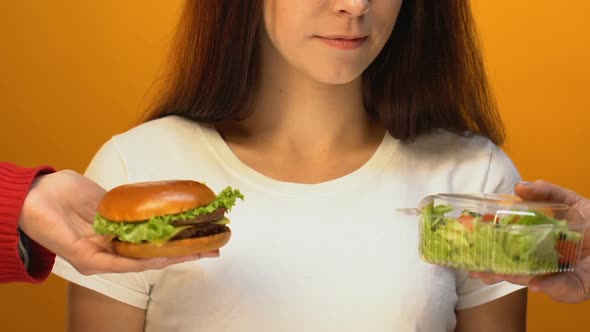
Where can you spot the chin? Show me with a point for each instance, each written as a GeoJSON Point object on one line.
{"type": "Point", "coordinates": [337, 76]}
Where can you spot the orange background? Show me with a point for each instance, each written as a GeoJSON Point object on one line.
{"type": "Point", "coordinates": [72, 73]}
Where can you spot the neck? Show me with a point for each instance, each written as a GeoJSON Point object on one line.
{"type": "Point", "coordinates": [293, 110]}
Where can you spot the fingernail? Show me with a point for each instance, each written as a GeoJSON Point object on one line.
{"type": "Point", "coordinates": [524, 183]}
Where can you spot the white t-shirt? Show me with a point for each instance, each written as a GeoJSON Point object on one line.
{"type": "Point", "coordinates": [333, 256]}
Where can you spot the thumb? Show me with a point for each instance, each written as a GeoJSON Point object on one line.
{"type": "Point", "coordinates": [545, 191]}
{"type": "Point", "coordinates": [563, 287]}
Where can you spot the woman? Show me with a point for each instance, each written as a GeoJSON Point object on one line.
{"type": "Point", "coordinates": [327, 115]}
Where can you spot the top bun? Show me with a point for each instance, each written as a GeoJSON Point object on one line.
{"type": "Point", "coordinates": [138, 202]}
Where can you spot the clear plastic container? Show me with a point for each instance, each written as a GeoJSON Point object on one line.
{"type": "Point", "coordinates": [499, 234]}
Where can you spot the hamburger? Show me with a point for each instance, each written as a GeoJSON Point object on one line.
{"type": "Point", "coordinates": [165, 218]}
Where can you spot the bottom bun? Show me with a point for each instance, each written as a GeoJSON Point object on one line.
{"type": "Point", "coordinates": [176, 248]}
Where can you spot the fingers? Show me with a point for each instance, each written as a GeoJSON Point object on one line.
{"type": "Point", "coordinates": [104, 262]}
{"type": "Point", "coordinates": [490, 278]}
{"type": "Point", "coordinates": [562, 287]}
{"type": "Point", "coordinates": [545, 191]}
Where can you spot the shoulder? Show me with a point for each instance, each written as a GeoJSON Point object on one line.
{"type": "Point", "coordinates": [158, 129]}
{"type": "Point", "coordinates": [441, 145]}
{"type": "Point", "coordinates": [444, 143]}
{"type": "Point", "coordinates": [463, 158]}
{"type": "Point", "coordinates": [156, 149]}
{"type": "Point", "coordinates": [171, 135]}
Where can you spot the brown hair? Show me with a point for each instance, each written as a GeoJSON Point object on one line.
{"type": "Point", "coordinates": [430, 74]}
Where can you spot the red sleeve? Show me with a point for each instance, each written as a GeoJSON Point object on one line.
{"type": "Point", "coordinates": [15, 182]}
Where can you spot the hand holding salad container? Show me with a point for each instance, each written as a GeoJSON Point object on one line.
{"type": "Point", "coordinates": [499, 234]}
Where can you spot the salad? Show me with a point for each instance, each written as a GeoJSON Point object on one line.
{"type": "Point", "coordinates": [515, 242]}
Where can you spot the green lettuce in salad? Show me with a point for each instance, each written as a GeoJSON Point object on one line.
{"type": "Point", "coordinates": [528, 242]}
{"type": "Point", "coordinates": [159, 229]}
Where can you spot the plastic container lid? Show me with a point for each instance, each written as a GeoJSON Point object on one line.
{"type": "Point", "coordinates": [499, 234]}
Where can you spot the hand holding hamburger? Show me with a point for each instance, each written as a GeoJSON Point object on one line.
{"type": "Point", "coordinates": [165, 218]}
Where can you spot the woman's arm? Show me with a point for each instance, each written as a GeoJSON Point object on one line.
{"type": "Point", "coordinates": [89, 311]}
{"type": "Point", "coordinates": [506, 314]}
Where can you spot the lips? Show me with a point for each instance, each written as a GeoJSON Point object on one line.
{"type": "Point", "coordinates": [344, 42]}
